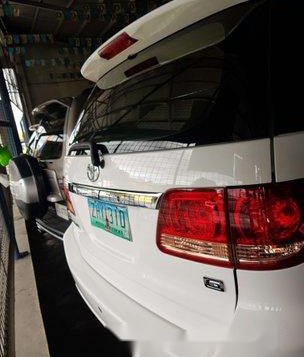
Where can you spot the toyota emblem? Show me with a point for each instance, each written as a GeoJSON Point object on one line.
{"type": "Point", "coordinates": [93, 172]}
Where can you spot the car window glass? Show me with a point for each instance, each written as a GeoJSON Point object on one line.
{"type": "Point", "coordinates": [46, 147]}
{"type": "Point", "coordinates": [287, 66]}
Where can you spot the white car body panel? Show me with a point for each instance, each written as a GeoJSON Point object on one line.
{"type": "Point", "coordinates": [139, 269]}
{"type": "Point", "coordinates": [124, 312]}
{"type": "Point", "coordinates": [286, 147]}
{"type": "Point", "coordinates": [256, 322]}
{"type": "Point", "coordinates": [231, 164]}
{"type": "Point", "coordinates": [166, 51]}
{"type": "Point", "coordinates": [278, 312]}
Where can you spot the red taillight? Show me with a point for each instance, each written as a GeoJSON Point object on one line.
{"type": "Point", "coordinates": [192, 225]}
{"type": "Point", "coordinates": [119, 44]}
{"type": "Point", "coordinates": [259, 227]}
{"type": "Point", "coordinates": [265, 224]}
{"type": "Point", "coordinates": [142, 66]}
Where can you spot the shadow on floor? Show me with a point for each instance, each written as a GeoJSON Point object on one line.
{"type": "Point", "coordinates": [71, 328]}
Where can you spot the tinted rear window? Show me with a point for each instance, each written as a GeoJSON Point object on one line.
{"type": "Point", "coordinates": [46, 147]}
{"type": "Point", "coordinates": [287, 65]}
{"type": "Point", "coordinates": [51, 116]}
{"type": "Point", "coordinates": [220, 94]}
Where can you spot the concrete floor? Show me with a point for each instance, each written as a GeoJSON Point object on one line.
{"type": "Point", "coordinates": [51, 319]}
{"type": "Point", "coordinates": [30, 338]}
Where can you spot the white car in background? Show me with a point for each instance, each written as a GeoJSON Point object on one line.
{"type": "Point", "coordinates": [185, 177]}
{"type": "Point", "coordinates": [37, 177]}
{"type": "Point", "coordinates": [47, 140]}
{"type": "Point", "coordinates": [47, 144]}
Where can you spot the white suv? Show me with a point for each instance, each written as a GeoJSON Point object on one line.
{"type": "Point", "coordinates": [185, 176]}
{"type": "Point", "coordinates": [37, 178]}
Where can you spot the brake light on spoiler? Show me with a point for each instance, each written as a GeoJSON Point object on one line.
{"type": "Point", "coordinates": [142, 66]}
{"type": "Point", "coordinates": [254, 227]}
{"type": "Point", "coordinates": [116, 46]}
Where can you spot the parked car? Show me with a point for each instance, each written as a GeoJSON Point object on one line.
{"type": "Point", "coordinates": [185, 178]}
{"type": "Point", "coordinates": [37, 177]}
{"type": "Point", "coordinates": [47, 145]}
{"type": "Point", "coordinates": [185, 174]}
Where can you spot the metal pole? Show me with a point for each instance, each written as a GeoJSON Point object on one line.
{"type": "Point", "coordinates": [9, 114]}
{"type": "Point", "coordinates": [6, 208]}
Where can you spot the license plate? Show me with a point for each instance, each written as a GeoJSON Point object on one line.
{"type": "Point", "coordinates": [61, 211]}
{"type": "Point", "coordinates": [110, 217]}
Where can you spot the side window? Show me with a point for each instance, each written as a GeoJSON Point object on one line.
{"type": "Point", "coordinates": [51, 150]}
{"type": "Point", "coordinates": [287, 66]}
{"type": "Point", "coordinates": [47, 147]}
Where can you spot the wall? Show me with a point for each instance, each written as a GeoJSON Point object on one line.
{"type": "Point", "coordinates": [51, 71]}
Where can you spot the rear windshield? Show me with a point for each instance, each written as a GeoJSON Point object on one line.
{"type": "Point", "coordinates": [220, 94]}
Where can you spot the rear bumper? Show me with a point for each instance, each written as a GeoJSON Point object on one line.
{"type": "Point", "coordinates": [114, 309]}
{"type": "Point", "coordinates": [53, 224]}
{"type": "Point", "coordinates": [252, 332]}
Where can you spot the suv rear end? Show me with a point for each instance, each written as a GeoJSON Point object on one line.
{"type": "Point", "coordinates": [185, 183]}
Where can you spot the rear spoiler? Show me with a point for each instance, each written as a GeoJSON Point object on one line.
{"type": "Point", "coordinates": [148, 30]}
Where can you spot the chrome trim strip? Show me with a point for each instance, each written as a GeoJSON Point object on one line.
{"type": "Point", "coordinates": [128, 198]}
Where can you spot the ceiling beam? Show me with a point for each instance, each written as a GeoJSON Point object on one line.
{"type": "Point", "coordinates": [70, 3]}
{"type": "Point", "coordinates": [34, 20]}
{"type": "Point", "coordinates": [3, 28]}
{"type": "Point", "coordinates": [38, 5]}
{"type": "Point", "coordinates": [82, 27]}
{"type": "Point", "coordinates": [35, 17]}
{"type": "Point", "coordinates": [58, 26]}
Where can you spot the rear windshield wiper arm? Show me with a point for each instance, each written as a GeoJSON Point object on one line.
{"type": "Point", "coordinates": [95, 150]}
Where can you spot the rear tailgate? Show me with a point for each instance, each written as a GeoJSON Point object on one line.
{"type": "Point", "coordinates": [143, 270]}
{"type": "Point", "coordinates": [200, 121]}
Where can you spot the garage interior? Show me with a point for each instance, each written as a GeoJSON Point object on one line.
{"type": "Point", "coordinates": [46, 42]}
{"type": "Point", "coordinates": [43, 46]}
{"type": "Point", "coordinates": [239, 165]}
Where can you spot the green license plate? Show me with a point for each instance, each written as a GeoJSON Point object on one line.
{"type": "Point", "coordinates": [110, 217]}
